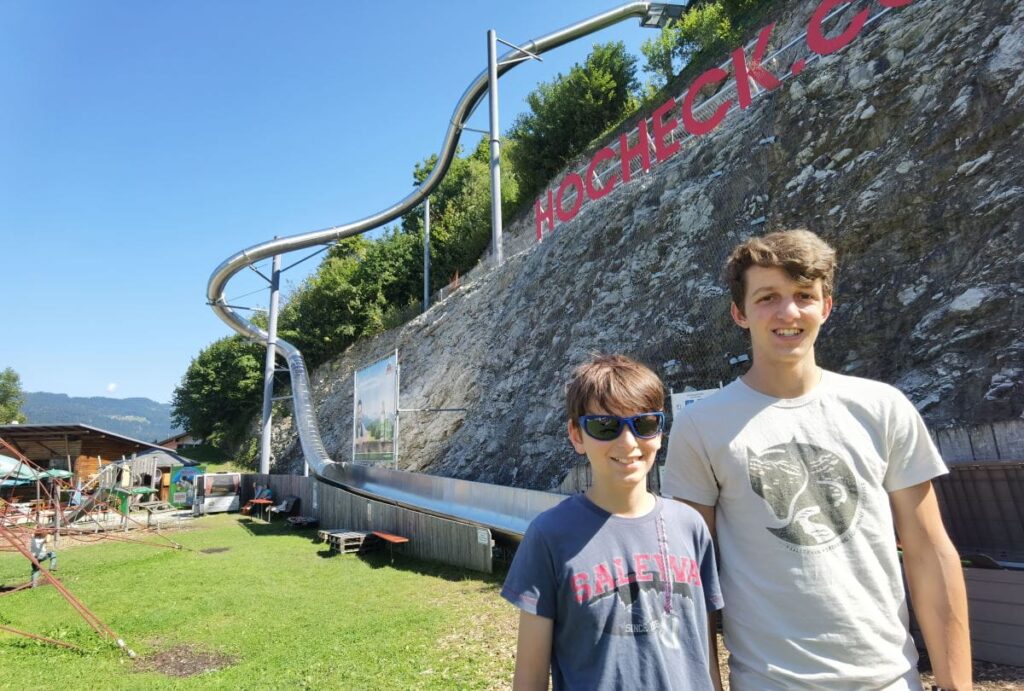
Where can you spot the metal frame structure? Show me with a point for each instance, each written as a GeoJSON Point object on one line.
{"type": "Point", "coordinates": [15, 536]}
{"type": "Point", "coordinates": [505, 510]}
{"type": "Point", "coordinates": [494, 133]}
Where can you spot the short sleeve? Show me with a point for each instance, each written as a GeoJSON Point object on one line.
{"type": "Point", "coordinates": [688, 473]}
{"type": "Point", "coordinates": [531, 583]}
{"type": "Point", "coordinates": [912, 457]}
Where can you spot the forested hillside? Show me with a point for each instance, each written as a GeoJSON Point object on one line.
{"type": "Point", "coordinates": [139, 418]}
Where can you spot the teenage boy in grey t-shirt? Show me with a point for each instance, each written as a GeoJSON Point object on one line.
{"type": "Point", "coordinates": [803, 475]}
{"type": "Point", "coordinates": [615, 585]}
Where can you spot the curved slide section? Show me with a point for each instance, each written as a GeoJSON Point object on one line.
{"type": "Point", "coordinates": [503, 509]}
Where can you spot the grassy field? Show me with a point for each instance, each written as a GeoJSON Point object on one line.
{"type": "Point", "coordinates": [272, 608]}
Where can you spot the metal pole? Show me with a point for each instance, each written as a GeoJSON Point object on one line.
{"type": "Point", "coordinates": [271, 365]}
{"type": "Point", "coordinates": [398, 405]}
{"type": "Point", "coordinates": [426, 254]}
{"type": "Point", "coordinates": [492, 92]}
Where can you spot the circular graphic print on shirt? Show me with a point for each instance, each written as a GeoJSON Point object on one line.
{"type": "Point", "coordinates": [812, 493]}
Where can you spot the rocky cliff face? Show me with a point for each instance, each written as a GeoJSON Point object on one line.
{"type": "Point", "coordinates": [904, 151]}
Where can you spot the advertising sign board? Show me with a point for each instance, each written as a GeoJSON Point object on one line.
{"type": "Point", "coordinates": [183, 485]}
{"type": "Point", "coordinates": [684, 398]}
{"type": "Point", "coordinates": [375, 416]}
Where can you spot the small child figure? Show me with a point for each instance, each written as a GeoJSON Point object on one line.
{"type": "Point", "coordinates": [616, 586]}
{"type": "Point", "coordinates": [42, 548]}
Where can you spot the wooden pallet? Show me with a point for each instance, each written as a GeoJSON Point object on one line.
{"type": "Point", "coordinates": [350, 541]}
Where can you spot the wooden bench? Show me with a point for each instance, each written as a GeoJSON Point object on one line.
{"type": "Point", "coordinates": [361, 541]}
{"type": "Point", "coordinates": [392, 540]}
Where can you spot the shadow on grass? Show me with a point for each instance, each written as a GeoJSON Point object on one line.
{"type": "Point", "coordinates": [378, 558]}
{"type": "Point", "coordinates": [259, 527]}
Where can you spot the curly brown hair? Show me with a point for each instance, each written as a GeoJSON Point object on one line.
{"type": "Point", "coordinates": [799, 252]}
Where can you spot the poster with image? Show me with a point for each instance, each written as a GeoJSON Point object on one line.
{"type": "Point", "coordinates": [375, 416]}
{"type": "Point", "coordinates": [681, 399]}
{"type": "Point", "coordinates": [183, 485]}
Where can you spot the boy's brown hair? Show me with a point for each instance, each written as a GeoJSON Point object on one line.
{"type": "Point", "coordinates": [799, 252]}
{"type": "Point", "coordinates": [614, 383]}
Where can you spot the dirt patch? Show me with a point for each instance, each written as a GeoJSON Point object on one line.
{"type": "Point", "coordinates": [988, 676]}
{"type": "Point", "coordinates": [214, 550]}
{"type": "Point", "coordinates": [184, 661]}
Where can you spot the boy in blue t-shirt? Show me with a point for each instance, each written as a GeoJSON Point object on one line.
{"type": "Point", "coordinates": [615, 585]}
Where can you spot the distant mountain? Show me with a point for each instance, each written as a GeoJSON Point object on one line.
{"type": "Point", "coordinates": [139, 418]}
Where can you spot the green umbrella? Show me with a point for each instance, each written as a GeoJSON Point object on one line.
{"type": "Point", "coordinates": [16, 472]}
{"type": "Point", "coordinates": [57, 472]}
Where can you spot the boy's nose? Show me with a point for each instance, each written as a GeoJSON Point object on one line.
{"type": "Point", "coordinates": [626, 438]}
{"type": "Point", "coordinates": [789, 308]}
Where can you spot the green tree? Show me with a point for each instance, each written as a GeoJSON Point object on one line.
{"type": "Point", "coordinates": [351, 294]}
{"type": "Point", "coordinates": [220, 391]}
{"type": "Point", "coordinates": [704, 27]}
{"type": "Point", "coordinates": [460, 213]}
{"type": "Point", "coordinates": [11, 398]}
{"type": "Point", "coordinates": [567, 113]}
{"type": "Point", "coordinates": [323, 314]}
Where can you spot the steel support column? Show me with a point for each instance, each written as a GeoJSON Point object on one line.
{"type": "Point", "coordinates": [492, 93]}
{"type": "Point", "coordinates": [426, 254]}
{"type": "Point", "coordinates": [270, 366]}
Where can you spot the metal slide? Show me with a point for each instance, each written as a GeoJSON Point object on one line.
{"type": "Point", "coordinates": [505, 510]}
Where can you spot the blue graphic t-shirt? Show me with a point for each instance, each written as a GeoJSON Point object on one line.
{"type": "Point", "coordinates": [629, 596]}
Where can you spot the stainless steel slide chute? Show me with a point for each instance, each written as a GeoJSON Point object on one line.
{"type": "Point", "coordinates": [505, 510]}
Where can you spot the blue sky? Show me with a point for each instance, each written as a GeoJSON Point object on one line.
{"type": "Point", "coordinates": [142, 143]}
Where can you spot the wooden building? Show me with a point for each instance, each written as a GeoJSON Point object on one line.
{"type": "Point", "coordinates": [80, 449]}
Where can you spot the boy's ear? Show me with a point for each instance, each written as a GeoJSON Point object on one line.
{"type": "Point", "coordinates": [740, 318]}
{"type": "Point", "coordinates": [576, 437]}
{"type": "Point", "coordinates": [827, 310]}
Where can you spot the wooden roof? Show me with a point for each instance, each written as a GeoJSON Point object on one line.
{"type": "Point", "coordinates": [40, 443]}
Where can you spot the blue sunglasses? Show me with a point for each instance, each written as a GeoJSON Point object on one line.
{"type": "Point", "coordinates": [609, 427]}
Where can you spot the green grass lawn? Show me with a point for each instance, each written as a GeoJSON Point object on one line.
{"type": "Point", "coordinates": [290, 613]}
{"type": "Point", "coordinates": [225, 467]}
{"type": "Point", "coordinates": [215, 460]}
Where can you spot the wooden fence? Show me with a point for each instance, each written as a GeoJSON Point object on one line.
{"type": "Point", "coordinates": [982, 506]}
{"type": "Point", "coordinates": [992, 441]}
{"type": "Point", "coordinates": [995, 606]}
{"type": "Point", "coordinates": [430, 538]}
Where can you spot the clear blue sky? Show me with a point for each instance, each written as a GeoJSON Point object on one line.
{"type": "Point", "coordinates": [141, 143]}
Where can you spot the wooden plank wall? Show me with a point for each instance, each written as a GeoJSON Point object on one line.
{"type": "Point", "coordinates": [995, 607]}
{"type": "Point", "coordinates": [982, 506]}
{"type": "Point", "coordinates": [86, 468]}
{"type": "Point", "coordinates": [282, 486]}
{"type": "Point", "coordinates": [430, 538]}
{"type": "Point", "coordinates": [986, 442]}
